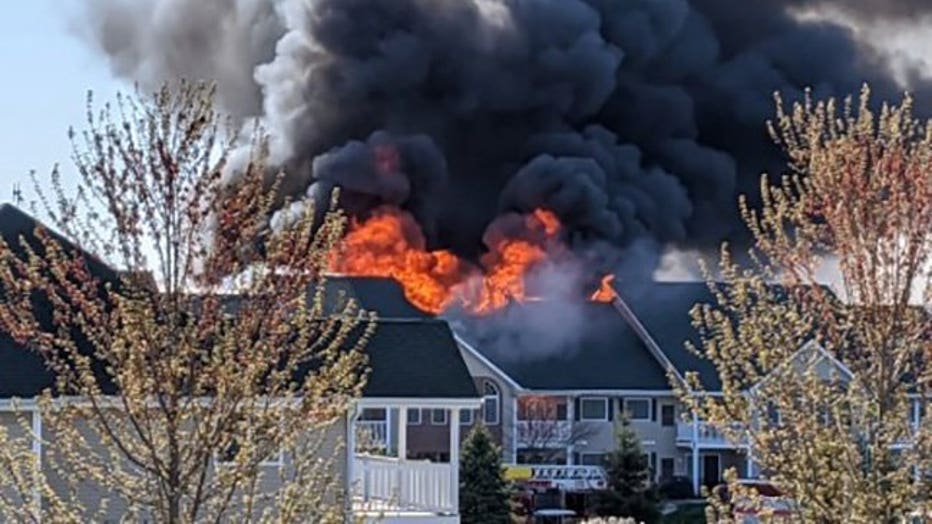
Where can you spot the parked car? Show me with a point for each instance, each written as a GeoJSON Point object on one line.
{"type": "Point", "coordinates": [677, 488]}
{"type": "Point", "coordinates": [555, 516]}
{"type": "Point", "coordinates": [772, 502]}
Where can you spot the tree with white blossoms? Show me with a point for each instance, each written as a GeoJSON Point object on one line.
{"type": "Point", "coordinates": [214, 388]}
{"type": "Point", "coordinates": [828, 387]}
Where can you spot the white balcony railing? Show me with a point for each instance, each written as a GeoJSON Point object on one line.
{"type": "Point", "coordinates": [403, 484]}
{"type": "Point", "coordinates": [372, 435]}
{"type": "Point", "coordinates": [707, 435]}
{"type": "Point", "coordinates": [544, 433]}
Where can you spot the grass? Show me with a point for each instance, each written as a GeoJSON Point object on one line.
{"type": "Point", "coordinates": [686, 514]}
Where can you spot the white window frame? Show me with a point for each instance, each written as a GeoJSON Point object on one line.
{"type": "Point", "coordinates": [276, 462]}
{"type": "Point", "coordinates": [624, 408]}
{"type": "Point", "coordinates": [660, 466]}
{"type": "Point", "coordinates": [470, 416]}
{"type": "Point", "coordinates": [582, 410]}
{"type": "Point", "coordinates": [496, 396]}
{"type": "Point", "coordinates": [433, 422]}
{"type": "Point", "coordinates": [419, 420]}
{"type": "Point", "coordinates": [673, 407]}
{"type": "Point", "coordinates": [582, 462]}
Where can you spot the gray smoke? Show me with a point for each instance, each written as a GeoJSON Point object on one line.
{"type": "Point", "coordinates": [633, 120]}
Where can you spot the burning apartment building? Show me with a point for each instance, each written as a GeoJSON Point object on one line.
{"type": "Point", "coordinates": [519, 167]}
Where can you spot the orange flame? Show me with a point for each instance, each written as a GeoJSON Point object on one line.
{"type": "Point", "coordinates": [390, 244]}
{"type": "Point", "coordinates": [605, 293]}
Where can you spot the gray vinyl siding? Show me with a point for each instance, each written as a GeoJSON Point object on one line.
{"type": "Point", "coordinates": [103, 506]}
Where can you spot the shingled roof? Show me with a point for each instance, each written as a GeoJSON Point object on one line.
{"type": "Point", "coordinates": [416, 359]}
{"type": "Point", "coordinates": [23, 373]}
{"type": "Point", "coordinates": [382, 295]}
{"type": "Point", "coordinates": [663, 308]}
{"type": "Point", "coordinates": [411, 354]}
{"type": "Point", "coordinates": [602, 353]}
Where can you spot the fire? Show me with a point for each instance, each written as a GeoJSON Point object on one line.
{"type": "Point", "coordinates": [390, 244]}
{"type": "Point", "coordinates": [605, 293]}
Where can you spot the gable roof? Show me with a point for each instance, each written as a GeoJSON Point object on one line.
{"type": "Point", "coordinates": [385, 296]}
{"type": "Point", "coordinates": [416, 359]}
{"type": "Point", "coordinates": [603, 353]}
{"type": "Point", "coordinates": [663, 308]}
{"type": "Point", "coordinates": [410, 353]}
{"type": "Point", "coordinates": [23, 372]}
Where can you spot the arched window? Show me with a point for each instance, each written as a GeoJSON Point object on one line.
{"type": "Point", "coordinates": [491, 402]}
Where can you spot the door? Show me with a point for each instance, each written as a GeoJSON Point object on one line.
{"type": "Point", "coordinates": [711, 470]}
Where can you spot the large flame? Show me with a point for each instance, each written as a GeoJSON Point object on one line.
{"type": "Point", "coordinates": [605, 293]}
{"type": "Point", "coordinates": [390, 244]}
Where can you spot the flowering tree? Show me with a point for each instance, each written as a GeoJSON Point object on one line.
{"type": "Point", "coordinates": [208, 379]}
{"type": "Point", "coordinates": [828, 387]}
{"type": "Point", "coordinates": [543, 427]}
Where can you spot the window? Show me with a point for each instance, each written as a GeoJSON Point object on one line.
{"type": "Point", "coordinates": [534, 407]}
{"type": "Point", "coordinates": [593, 408]}
{"type": "Point", "coordinates": [490, 403]}
{"type": "Point", "coordinates": [637, 408]}
{"type": "Point", "coordinates": [414, 417]}
{"type": "Point", "coordinates": [466, 417]}
{"type": "Point", "coordinates": [229, 455]}
{"type": "Point", "coordinates": [373, 414]}
{"type": "Point", "coordinates": [541, 456]}
{"type": "Point", "coordinates": [438, 417]}
{"type": "Point", "coordinates": [591, 459]}
{"type": "Point", "coordinates": [668, 415]}
{"type": "Point", "coordinates": [666, 468]}
{"type": "Point", "coordinates": [651, 459]}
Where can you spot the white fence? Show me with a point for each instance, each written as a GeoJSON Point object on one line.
{"type": "Point", "coordinates": [708, 435]}
{"type": "Point", "coordinates": [404, 484]}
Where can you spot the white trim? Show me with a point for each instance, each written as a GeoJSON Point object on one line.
{"type": "Point", "coordinates": [589, 454]}
{"type": "Point", "coordinates": [408, 412]}
{"type": "Point", "coordinates": [582, 417]}
{"type": "Point", "coordinates": [486, 362]}
{"type": "Point", "coordinates": [702, 456]}
{"type": "Point", "coordinates": [443, 412]}
{"type": "Point", "coordinates": [349, 455]}
{"type": "Point", "coordinates": [37, 451]}
{"type": "Point", "coordinates": [660, 414]}
{"type": "Point", "coordinates": [792, 358]}
{"type": "Point", "coordinates": [650, 405]}
{"type": "Point", "coordinates": [514, 429]}
{"type": "Point", "coordinates": [597, 392]}
{"type": "Point", "coordinates": [497, 396]}
{"type": "Point", "coordinates": [448, 403]}
{"type": "Point", "coordinates": [655, 350]}
{"type": "Point", "coordinates": [455, 457]}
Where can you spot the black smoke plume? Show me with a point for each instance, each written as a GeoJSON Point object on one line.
{"type": "Point", "coordinates": [633, 120]}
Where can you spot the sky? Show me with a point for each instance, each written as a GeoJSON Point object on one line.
{"type": "Point", "coordinates": [47, 71]}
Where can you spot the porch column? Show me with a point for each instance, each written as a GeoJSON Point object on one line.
{"type": "Point", "coordinates": [571, 415]}
{"type": "Point", "coordinates": [514, 430]}
{"type": "Point", "coordinates": [695, 457]}
{"type": "Point", "coordinates": [350, 479]}
{"type": "Point", "coordinates": [402, 433]}
{"type": "Point", "coordinates": [749, 463]}
{"type": "Point", "coordinates": [37, 451]}
{"type": "Point", "coordinates": [455, 457]}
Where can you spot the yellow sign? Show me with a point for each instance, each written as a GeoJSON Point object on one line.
{"type": "Point", "coordinates": [518, 473]}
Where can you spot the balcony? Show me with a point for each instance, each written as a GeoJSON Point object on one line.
{"type": "Point", "coordinates": [403, 485]}
{"type": "Point", "coordinates": [707, 436]}
{"type": "Point", "coordinates": [372, 436]}
{"type": "Point", "coordinates": [542, 434]}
